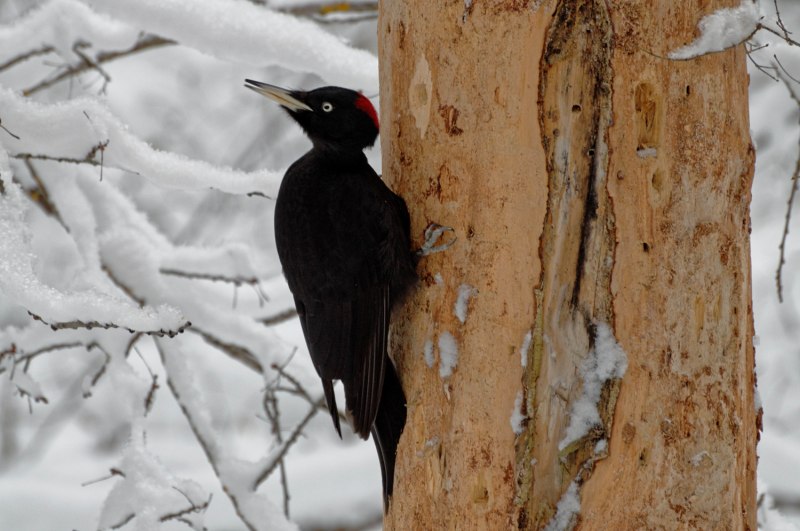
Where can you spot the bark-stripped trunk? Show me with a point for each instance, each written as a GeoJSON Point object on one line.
{"type": "Point", "coordinates": [591, 183]}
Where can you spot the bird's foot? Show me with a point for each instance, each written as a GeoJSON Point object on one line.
{"type": "Point", "coordinates": [432, 235]}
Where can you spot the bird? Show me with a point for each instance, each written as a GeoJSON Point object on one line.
{"type": "Point", "coordinates": [344, 244]}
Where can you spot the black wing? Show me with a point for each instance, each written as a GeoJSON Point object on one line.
{"type": "Point", "coordinates": [338, 240]}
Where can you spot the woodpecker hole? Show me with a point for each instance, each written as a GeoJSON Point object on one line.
{"type": "Point", "coordinates": [646, 247]}
{"type": "Point", "coordinates": [688, 90]}
{"type": "Point", "coordinates": [576, 108]}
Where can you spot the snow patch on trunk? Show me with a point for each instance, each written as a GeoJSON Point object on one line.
{"type": "Point", "coordinates": [448, 354]}
{"type": "Point", "coordinates": [465, 291]}
{"type": "Point", "coordinates": [721, 30]}
{"type": "Point", "coordinates": [605, 361]}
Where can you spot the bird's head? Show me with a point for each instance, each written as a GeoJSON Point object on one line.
{"type": "Point", "coordinates": [332, 117]}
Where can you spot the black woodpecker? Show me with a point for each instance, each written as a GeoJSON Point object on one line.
{"type": "Point", "coordinates": [344, 245]}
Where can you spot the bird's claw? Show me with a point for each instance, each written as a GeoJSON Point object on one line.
{"type": "Point", "coordinates": [433, 233]}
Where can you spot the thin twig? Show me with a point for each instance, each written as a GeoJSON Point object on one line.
{"type": "Point", "coordinates": [237, 280]}
{"type": "Point", "coordinates": [236, 352]}
{"type": "Point", "coordinates": [279, 318]}
{"type": "Point", "coordinates": [4, 128]}
{"type": "Point", "coordinates": [25, 56]}
{"type": "Point", "coordinates": [151, 393]}
{"type": "Point", "coordinates": [789, 205]}
{"type": "Point", "coordinates": [283, 448]}
{"type": "Point", "coordinates": [144, 43]}
{"type": "Point", "coordinates": [101, 371]}
{"type": "Point", "coordinates": [40, 196]}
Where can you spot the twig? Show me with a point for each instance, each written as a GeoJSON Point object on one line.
{"type": "Point", "coordinates": [101, 371]}
{"type": "Point", "coordinates": [279, 318]}
{"type": "Point", "coordinates": [780, 20]}
{"type": "Point", "coordinates": [210, 447]}
{"type": "Point", "coordinates": [789, 205]}
{"type": "Point", "coordinates": [4, 128]}
{"type": "Point", "coordinates": [94, 324]}
{"type": "Point", "coordinates": [273, 414]}
{"type": "Point", "coordinates": [69, 160]}
{"type": "Point", "coordinates": [786, 38]}
{"type": "Point", "coordinates": [236, 352]}
{"type": "Point", "coordinates": [151, 393]}
{"type": "Point", "coordinates": [77, 50]}
{"type": "Point", "coordinates": [40, 196]}
{"type": "Point", "coordinates": [283, 448]}
{"type": "Point", "coordinates": [25, 56]}
{"type": "Point", "coordinates": [144, 43]}
{"type": "Point", "coordinates": [111, 473]}
{"type": "Point", "coordinates": [237, 280]}
{"type": "Point", "coordinates": [193, 508]}
{"type": "Point", "coordinates": [28, 356]}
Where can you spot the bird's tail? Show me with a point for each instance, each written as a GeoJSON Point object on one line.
{"type": "Point", "coordinates": [388, 427]}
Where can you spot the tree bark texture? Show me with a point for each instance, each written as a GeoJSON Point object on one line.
{"type": "Point", "coordinates": [593, 185]}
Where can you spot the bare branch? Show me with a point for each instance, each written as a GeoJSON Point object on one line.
{"type": "Point", "coordinates": [279, 318]}
{"type": "Point", "coordinates": [101, 371]}
{"type": "Point", "coordinates": [28, 356]}
{"type": "Point", "coordinates": [236, 352]}
{"type": "Point", "coordinates": [25, 56]}
{"type": "Point", "coordinates": [193, 508]}
{"type": "Point", "coordinates": [4, 128]}
{"type": "Point", "coordinates": [284, 447]}
{"type": "Point", "coordinates": [88, 159]}
{"type": "Point", "coordinates": [789, 205]}
{"type": "Point", "coordinates": [144, 43]}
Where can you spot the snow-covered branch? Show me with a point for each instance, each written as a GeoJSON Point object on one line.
{"type": "Point", "coordinates": [72, 129]}
{"type": "Point", "coordinates": [238, 478]}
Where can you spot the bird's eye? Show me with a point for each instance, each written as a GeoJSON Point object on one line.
{"type": "Point", "coordinates": [327, 107]}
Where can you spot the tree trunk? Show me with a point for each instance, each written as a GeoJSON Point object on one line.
{"type": "Point", "coordinates": [600, 196]}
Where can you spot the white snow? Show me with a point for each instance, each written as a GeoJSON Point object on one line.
{"type": "Point", "coordinates": [62, 23]}
{"type": "Point", "coordinates": [448, 354]}
{"type": "Point", "coordinates": [438, 279]}
{"type": "Point", "coordinates": [237, 476]}
{"type": "Point", "coordinates": [148, 491]}
{"type": "Point", "coordinates": [71, 129]}
{"type": "Point", "coordinates": [601, 447]}
{"type": "Point", "coordinates": [427, 352]}
{"type": "Point", "coordinates": [465, 291]}
{"type": "Point", "coordinates": [721, 30]}
{"type": "Point", "coordinates": [697, 458]}
{"type": "Point", "coordinates": [605, 361]}
{"type": "Point", "coordinates": [526, 346]}
{"type": "Point", "coordinates": [517, 416]}
{"type": "Point", "coordinates": [647, 152]}
{"type": "Point", "coordinates": [241, 31]}
{"type": "Point", "coordinates": [568, 508]}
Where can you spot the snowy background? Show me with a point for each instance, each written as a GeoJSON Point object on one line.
{"type": "Point", "coordinates": [156, 216]}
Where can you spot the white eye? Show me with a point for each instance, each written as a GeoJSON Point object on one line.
{"type": "Point", "coordinates": [327, 107]}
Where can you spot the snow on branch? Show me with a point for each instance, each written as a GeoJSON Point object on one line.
{"type": "Point", "coordinates": [60, 308]}
{"type": "Point", "coordinates": [722, 29]}
{"type": "Point", "coordinates": [62, 23]}
{"type": "Point", "coordinates": [240, 31]}
{"type": "Point", "coordinates": [150, 494]}
{"type": "Point", "coordinates": [239, 478]}
{"type": "Point", "coordinates": [75, 128]}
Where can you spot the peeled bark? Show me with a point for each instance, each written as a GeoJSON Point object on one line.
{"type": "Point", "coordinates": [593, 186]}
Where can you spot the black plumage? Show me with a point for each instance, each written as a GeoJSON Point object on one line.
{"type": "Point", "coordinates": [344, 245]}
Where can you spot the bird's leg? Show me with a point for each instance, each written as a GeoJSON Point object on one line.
{"type": "Point", "coordinates": [432, 235]}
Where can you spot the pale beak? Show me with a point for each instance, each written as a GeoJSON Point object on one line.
{"type": "Point", "coordinates": [278, 95]}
